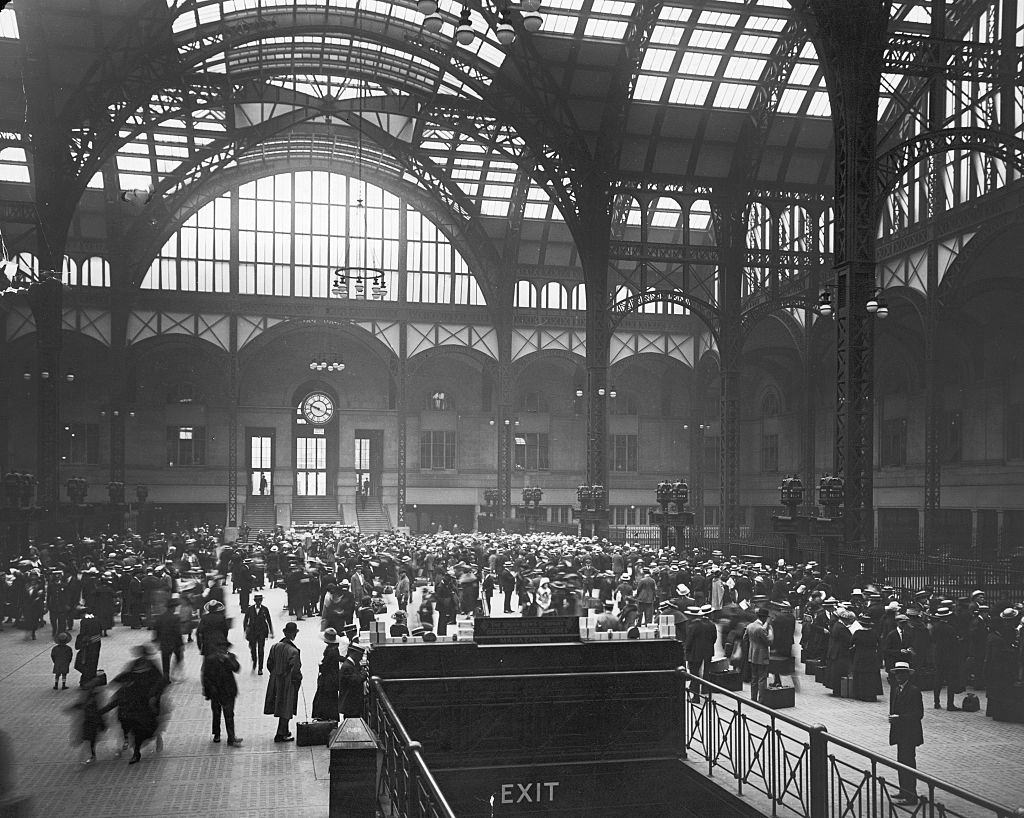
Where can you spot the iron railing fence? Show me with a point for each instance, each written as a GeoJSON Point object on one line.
{"type": "Point", "coordinates": [406, 784]}
{"type": "Point", "coordinates": [805, 771]}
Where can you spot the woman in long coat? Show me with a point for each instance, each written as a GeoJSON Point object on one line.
{"type": "Point", "coordinates": [1001, 669]}
{"type": "Point", "coordinates": [839, 661]}
{"type": "Point", "coordinates": [867, 681]}
{"type": "Point", "coordinates": [103, 603]}
{"type": "Point", "coordinates": [87, 643]}
{"type": "Point", "coordinates": [325, 702]}
{"type": "Point", "coordinates": [285, 666]}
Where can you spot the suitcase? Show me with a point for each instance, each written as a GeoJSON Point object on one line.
{"type": "Point", "coordinates": [970, 703]}
{"type": "Point", "coordinates": [821, 673]}
{"type": "Point", "coordinates": [778, 698]}
{"type": "Point", "coordinates": [101, 678]}
{"type": "Point", "coordinates": [729, 679]}
{"type": "Point", "coordinates": [810, 667]}
{"type": "Point", "coordinates": [846, 687]}
{"type": "Point", "coordinates": [314, 733]}
{"type": "Point", "coordinates": [720, 665]}
{"type": "Point", "coordinates": [783, 665]}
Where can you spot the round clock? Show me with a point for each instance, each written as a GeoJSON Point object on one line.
{"type": "Point", "coordinates": [318, 408]}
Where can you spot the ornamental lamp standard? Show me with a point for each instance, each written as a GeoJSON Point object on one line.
{"type": "Point", "coordinates": [77, 487]}
{"type": "Point", "coordinates": [791, 493]}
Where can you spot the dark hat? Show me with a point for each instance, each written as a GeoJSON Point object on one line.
{"type": "Point", "coordinates": [290, 627]}
{"type": "Point", "coordinates": [257, 596]}
{"type": "Point", "coordinates": [330, 636]}
{"type": "Point", "coordinates": [350, 631]}
{"type": "Point", "coordinates": [864, 619]}
{"type": "Point", "coordinates": [142, 650]}
{"type": "Point", "coordinates": [356, 652]}
{"type": "Point", "coordinates": [63, 638]}
{"type": "Point", "coordinates": [429, 636]}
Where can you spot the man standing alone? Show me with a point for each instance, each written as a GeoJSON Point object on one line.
{"type": "Point", "coordinates": [258, 627]}
{"type": "Point", "coordinates": [646, 596]}
{"type": "Point", "coordinates": [167, 634]}
{"type": "Point", "coordinates": [906, 710]}
{"type": "Point", "coordinates": [285, 666]}
{"type": "Point", "coordinates": [758, 647]}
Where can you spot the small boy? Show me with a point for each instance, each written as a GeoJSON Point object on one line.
{"type": "Point", "coordinates": [61, 656]}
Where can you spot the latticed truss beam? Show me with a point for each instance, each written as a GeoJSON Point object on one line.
{"type": "Point", "coordinates": [923, 56]}
{"type": "Point", "coordinates": [622, 250]}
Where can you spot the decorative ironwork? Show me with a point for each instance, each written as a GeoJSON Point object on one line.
{"type": "Point", "coordinates": [77, 487]}
{"type": "Point", "coordinates": [802, 768]}
{"type": "Point", "coordinates": [115, 492]}
{"type": "Point", "coordinates": [18, 489]}
{"type": "Point", "coordinates": [405, 780]}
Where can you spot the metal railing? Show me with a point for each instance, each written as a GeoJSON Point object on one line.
{"type": "Point", "coordinates": [805, 771]}
{"type": "Point", "coordinates": [406, 783]}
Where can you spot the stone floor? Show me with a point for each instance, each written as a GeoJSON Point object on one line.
{"type": "Point", "coordinates": [193, 776]}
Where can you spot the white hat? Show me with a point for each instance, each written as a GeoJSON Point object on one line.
{"type": "Point", "coordinates": [901, 666]}
{"type": "Point", "coordinates": [682, 590]}
{"type": "Point", "coordinates": [624, 577]}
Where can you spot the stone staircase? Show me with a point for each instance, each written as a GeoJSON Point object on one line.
{"type": "Point", "coordinates": [260, 515]}
{"type": "Point", "coordinates": [373, 518]}
{"type": "Point", "coordinates": [318, 510]}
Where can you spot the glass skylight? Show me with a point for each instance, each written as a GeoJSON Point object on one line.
{"type": "Point", "coordinates": [14, 165]}
{"type": "Point", "coordinates": [9, 25]}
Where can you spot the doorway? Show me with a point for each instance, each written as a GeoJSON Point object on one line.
{"type": "Point", "coordinates": [261, 462]}
{"type": "Point", "coordinates": [368, 462]}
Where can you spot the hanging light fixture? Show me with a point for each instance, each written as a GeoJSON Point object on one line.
{"type": "Point", "coordinates": [825, 303]}
{"type": "Point", "coordinates": [464, 34]}
{"type": "Point", "coordinates": [363, 273]}
{"type": "Point", "coordinates": [505, 33]}
{"type": "Point", "coordinates": [433, 23]}
{"type": "Point", "coordinates": [426, 7]}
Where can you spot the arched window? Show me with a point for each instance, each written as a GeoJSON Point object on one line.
{"type": "Point", "coordinates": [94, 272]}
{"type": "Point", "coordinates": [526, 295]}
{"type": "Point", "coordinates": [770, 433]}
{"type": "Point", "coordinates": [770, 405]}
{"type": "Point", "coordinates": [700, 215]}
{"type": "Point", "coordinates": [14, 162]}
{"type": "Point", "coordinates": [553, 296]}
{"type": "Point", "coordinates": [439, 400]}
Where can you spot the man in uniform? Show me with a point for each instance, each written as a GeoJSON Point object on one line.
{"type": "Point", "coordinates": [258, 627]}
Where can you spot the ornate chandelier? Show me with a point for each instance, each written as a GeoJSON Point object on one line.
{"type": "Point", "coordinates": [504, 31]}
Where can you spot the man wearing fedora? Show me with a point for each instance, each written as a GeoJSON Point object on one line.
{"type": "Point", "coordinates": [219, 686]}
{"type": "Point", "coordinates": [352, 682]}
{"type": "Point", "coordinates": [258, 627]}
{"type": "Point", "coordinates": [946, 643]}
{"type": "Point", "coordinates": [906, 710]}
{"type": "Point", "coordinates": [701, 636]}
{"type": "Point", "coordinates": [285, 666]}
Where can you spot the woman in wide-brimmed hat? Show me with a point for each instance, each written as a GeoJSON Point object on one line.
{"type": "Point", "coordinates": [325, 702]}
{"type": "Point", "coordinates": [867, 680]}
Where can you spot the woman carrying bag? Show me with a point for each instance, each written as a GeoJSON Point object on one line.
{"type": "Point", "coordinates": [325, 702]}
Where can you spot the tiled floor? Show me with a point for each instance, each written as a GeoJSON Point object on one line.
{"type": "Point", "coordinates": [193, 776]}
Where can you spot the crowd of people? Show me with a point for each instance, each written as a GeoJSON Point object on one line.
{"type": "Point", "coordinates": [751, 613]}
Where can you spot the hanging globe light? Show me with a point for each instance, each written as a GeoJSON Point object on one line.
{"type": "Point", "coordinates": [505, 33]}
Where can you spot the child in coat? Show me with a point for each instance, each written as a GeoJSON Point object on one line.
{"type": "Point", "coordinates": [61, 656]}
{"type": "Point", "coordinates": [90, 720]}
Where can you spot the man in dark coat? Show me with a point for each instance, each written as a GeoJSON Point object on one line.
{"type": "Point", "coordinates": [507, 585]}
{"type": "Point", "coordinates": [946, 644]}
{"type": "Point", "coordinates": [285, 665]}
{"type": "Point", "coordinates": [701, 637]}
{"type": "Point", "coordinates": [258, 627]}
{"type": "Point", "coordinates": [167, 634]}
{"type": "Point", "coordinates": [138, 699]}
{"type": "Point", "coordinates": [219, 686]}
{"type": "Point", "coordinates": [906, 710]}
{"type": "Point", "coordinates": [352, 681]}
{"type": "Point", "coordinates": [898, 645]}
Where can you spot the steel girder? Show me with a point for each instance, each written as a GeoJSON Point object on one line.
{"type": "Point", "coordinates": [851, 41]}
{"type": "Point", "coordinates": [895, 162]}
{"type": "Point", "coordinates": [923, 56]}
{"type": "Point", "coordinates": [706, 312]}
{"type": "Point", "coordinates": [234, 383]}
{"type": "Point", "coordinates": [46, 300]}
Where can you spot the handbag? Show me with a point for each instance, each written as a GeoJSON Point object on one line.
{"type": "Point", "coordinates": [970, 703]}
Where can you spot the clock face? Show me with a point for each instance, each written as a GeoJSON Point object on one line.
{"type": "Point", "coordinates": [318, 408]}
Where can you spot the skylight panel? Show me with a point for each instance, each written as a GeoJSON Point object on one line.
{"type": "Point", "coordinates": [743, 68]}
{"type": "Point", "coordinates": [732, 95]}
{"type": "Point", "coordinates": [766, 23]}
{"type": "Point", "coordinates": [9, 25]}
{"type": "Point", "coordinates": [819, 105]}
{"type": "Point", "coordinates": [96, 182]}
{"type": "Point", "coordinates": [700, 215]}
{"type": "Point", "coordinates": [662, 35]}
{"type": "Point", "coordinates": [495, 207]}
{"type": "Point", "coordinates": [791, 101]}
{"type": "Point", "coordinates": [756, 45]}
{"type": "Point", "coordinates": [559, 23]}
{"type": "Point", "coordinates": [658, 59]}
{"type": "Point", "coordinates": [702, 38]}
{"type": "Point", "coordinates": [606, 29]}
{"type": "Point", "coordinates": [717, 18]}
{"type": "Point", "coordinates": [649, 88]}
{"type": "Point", "coordinates": [702, 65]}
{"type": "Point", "coordinates": [675, 13]}
{"type": "Point", "coordinates": [803, 74]}
{"type": "Point", "coordinates": [808, 53]}
{"type": "Point", "coordinates": [689, 92]}
{"type": "Point", "coordinates": [615, 8]}
{"type": "Point", "coordinates": [667, 214]}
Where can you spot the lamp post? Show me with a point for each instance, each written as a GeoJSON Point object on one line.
{"type": "Point", "coordinates": [792, 524]}
{"type": "Point", "coordinates": [531, 508]}
{"type": "Point", "coordinates": [593, 508]}
{"type": "Point", "coordinates": [505, 426]}
{"type": "Point", "coordinates": [672, 498]}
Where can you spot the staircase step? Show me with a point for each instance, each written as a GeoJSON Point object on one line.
{"type": "Point", "coordinates": [373, 518]}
